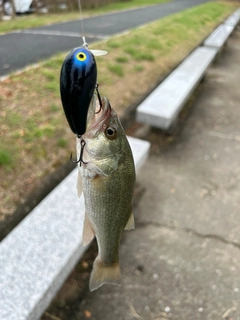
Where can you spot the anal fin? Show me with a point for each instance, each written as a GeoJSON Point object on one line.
{"type": "Point", "coordinates": [88, 232]}
{"type": "Point", "coordinates": [131, 223]}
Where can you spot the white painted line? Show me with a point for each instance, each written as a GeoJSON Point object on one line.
{"type": "Point", "coordinates": [62, 33]}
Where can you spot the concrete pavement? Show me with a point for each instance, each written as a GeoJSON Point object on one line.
{"type": "Point", "coordinates": [21, 48]}
{"type": "Point", "coordinates": [182, 261]}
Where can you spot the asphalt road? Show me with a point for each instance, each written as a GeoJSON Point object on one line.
{"type": "Point", "coordinates": [22, 48]}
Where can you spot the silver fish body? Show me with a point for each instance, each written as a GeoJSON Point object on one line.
{"type": "Point", "coordinates": [108, 178]}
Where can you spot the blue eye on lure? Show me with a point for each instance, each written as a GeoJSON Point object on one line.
{"type": "Point", "coordinates": [77, 84]}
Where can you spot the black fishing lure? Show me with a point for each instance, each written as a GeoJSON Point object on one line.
{"type": "Point", "coordinates": [77, 84]}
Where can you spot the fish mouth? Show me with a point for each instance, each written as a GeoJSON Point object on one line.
{"type": "Point", "coordinates": [99, 115]}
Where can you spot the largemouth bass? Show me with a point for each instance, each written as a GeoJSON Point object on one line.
{"type": "Point", "coordinates": [107, 178]}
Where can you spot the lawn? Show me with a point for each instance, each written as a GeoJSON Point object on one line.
{"type": "Point", "coordinates": [36, 139]}
{"type": "Point", "coordinates": [37, 20]}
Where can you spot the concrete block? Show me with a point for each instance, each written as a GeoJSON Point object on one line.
{"type": "Point", "coordinates": [237, 12]}
{"type": "Point", "coordinates": [232, 20]}
{"type": "Point", "coordinates": [38, 255]}
{"type": "Point", "coordinates": [162, 106]}
{"type": "Point", "coordinates": [140, 151]}
{"type": "Point", "coordinates": [219, 36]}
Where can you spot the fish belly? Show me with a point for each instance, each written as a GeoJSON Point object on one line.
{"type": "Point", "coordinates": [108, 202]}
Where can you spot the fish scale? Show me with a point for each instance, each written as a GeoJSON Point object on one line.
{"type": "Point", "coordinates": [110, 211]}
{"type": "Point", "coordinates": [108, 178]}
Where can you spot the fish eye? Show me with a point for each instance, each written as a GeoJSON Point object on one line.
{"type": "Point", "coordinates": [81, 56]}
{"type": "Point", "coordinates": [110, 132]}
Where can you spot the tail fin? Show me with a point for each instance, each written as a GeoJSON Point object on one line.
{"type": "Point", "coordinates": [104, 274]}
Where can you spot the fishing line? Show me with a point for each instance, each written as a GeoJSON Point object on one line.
{"type": "Point", "coordinates": [86, 46]}
{"type": "Point", "coordinates": [81, 18]}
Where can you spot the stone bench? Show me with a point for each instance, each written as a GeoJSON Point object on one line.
{"type": "Point", "coordinates": [237, 12]}
{"type": "Point", "coordinates": [233, 20]}
{"type": "Point", "coordinates": [39, 254]}
{"type": "Point", "coordinates": [161, 108]}
{"type": "Point", "coordinates": [219, 36]}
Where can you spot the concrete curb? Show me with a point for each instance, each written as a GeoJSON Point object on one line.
{"type": "Point", "coordinates": [162, 107]}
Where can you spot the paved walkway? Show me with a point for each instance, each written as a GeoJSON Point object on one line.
{"type": "Point", "coordinates": [19, 49]}
{"type": "Point", "coordinates": [182, 262]}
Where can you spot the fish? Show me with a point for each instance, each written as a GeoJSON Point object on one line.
{"type": "Point", "coordinates": [106, 178]}
{"type": "Point", "coordinates": [78, 78]}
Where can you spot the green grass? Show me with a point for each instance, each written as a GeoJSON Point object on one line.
{"type": "Point", "coordinates": [138, 68]}
{"type": "Point", "coordinates": [50, 76]}
{"type": "Point", "coordinates": [53, 108]}
{"type": "Point", "coordinates": [54, 63]}
{"type": "Point", "coordinates": [145, 56]}
{"type": "Point", "coordinates": [122, 59]}
{"type": "Point", "coordinates": [52, 86]}
{"type": "Point", "coordinates": [5, 158]}
{"type": "Point", "coordinates": [37, 20]}
{"type": "Point", "coordinates": [116, 69]}
{"type": "Point", "coordinates": [160, 37]}
{"type": "Point", "coordinates": [132, 51]}
{"type": "Point", "coordinates": [114, 45]}
{"type": "Point", "coordinates": [123, 5]}
{"type": "Point", "coordinates": [62, 143]}
{"type": "Point", "coordinates": [14, 119]}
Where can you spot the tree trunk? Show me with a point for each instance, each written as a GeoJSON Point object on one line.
{"type": "Point", "coordinates": [14, 9]}
{"type": "Point", "coordinates": [35, 6]}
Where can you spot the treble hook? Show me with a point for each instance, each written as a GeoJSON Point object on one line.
{"type": "Point", "coordinates": [82, 144]}
{"type": "Point", "coordinates": [99, 98]}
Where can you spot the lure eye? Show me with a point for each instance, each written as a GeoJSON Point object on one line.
{"type": "Point", "coordinates": [81, 56]}
{"type": "Point", "coordinates": [111, 133]}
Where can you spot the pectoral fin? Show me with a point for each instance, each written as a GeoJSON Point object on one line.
{"type": "Point", "coordinates": [105, 167]}
{"type": "Point", "coordinates": [88, 232]}
{"type": "Point", "coordinates": [130, 224]}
